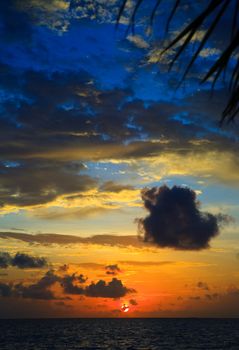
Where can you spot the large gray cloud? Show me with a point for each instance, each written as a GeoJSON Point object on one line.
{"type": "Point", "coordinates": [175, 219]}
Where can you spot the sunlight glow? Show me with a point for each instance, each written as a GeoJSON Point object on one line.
{"type": "Point", "coordinates": [125, 308]}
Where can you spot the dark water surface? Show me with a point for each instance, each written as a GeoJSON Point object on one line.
{"type": "Point", "coordinates": [125, 334]}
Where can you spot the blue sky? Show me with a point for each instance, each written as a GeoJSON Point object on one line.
{"type": "Point", "coordinates": [98, 88]}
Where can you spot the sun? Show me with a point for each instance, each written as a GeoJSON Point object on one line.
{"type": "Point", "coordinates": [125, 308]}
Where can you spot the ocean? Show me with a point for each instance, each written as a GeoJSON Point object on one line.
{"type": "Point", "coordinates": [117, 334]}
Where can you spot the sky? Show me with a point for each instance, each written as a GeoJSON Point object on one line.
{"type": "Point", "coordinates": [118, 188]}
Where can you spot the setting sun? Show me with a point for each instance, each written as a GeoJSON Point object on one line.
{"type": "Point", "coordinates": [125, 308]}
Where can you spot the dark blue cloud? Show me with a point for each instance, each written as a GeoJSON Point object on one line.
{"type": "Point", "coordinates": [175, 219]}
{"type": "Point", "coordinates": [22, 261]}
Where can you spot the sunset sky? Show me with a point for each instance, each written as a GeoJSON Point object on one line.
{"type": "Point", "coordinates": [116, 187]}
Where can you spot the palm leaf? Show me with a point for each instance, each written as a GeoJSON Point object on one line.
{"type": "Point", "coordinates": [211, 16]}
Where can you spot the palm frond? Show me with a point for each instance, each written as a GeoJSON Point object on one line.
{"type": "Point", "coordinates": [211, 17]}
{"type": "Point", "coordinates": [176, 6]}
{"type": "Point", "coordinates": [153, 13]}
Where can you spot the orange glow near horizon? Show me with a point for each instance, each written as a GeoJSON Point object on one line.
{"type": "Point", "coordinates": [161, 282]}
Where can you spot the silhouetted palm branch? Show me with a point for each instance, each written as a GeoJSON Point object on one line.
{"type": "Point", "coordinates": [213, 15]}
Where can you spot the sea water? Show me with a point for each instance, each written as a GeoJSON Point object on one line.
{"type": "Point", "coordinates": [125, 334]}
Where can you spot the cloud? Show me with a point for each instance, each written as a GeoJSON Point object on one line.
{"type": "Point", "coordinates": [111, 186]}
{"type": "Point", "coordinates": [145, 263]}
{"type": "Point", "coordinates": [138, 41]}
{"type": "Point", "coordinates": [54, 13]}
{"type": "Point", "coordinates": [202, 285]}
{"type": "Point", "coordinates": [71, 285]}
{"type": "Point", "coordinates": [225, 219]}
{"type": "Point", "coordinates": [133, 302]}
{"type": "Point", "coordinates": [112, 269]}
{"type": "Point", "coordinates": [63, 268]}
{"type": "Point", "coordinates": [62, 304]}
{"type": "Point", "coordinates": [89, 203]}
{"type": "Point", "coordinates": [56, 136]}
{"type": "Point", "coordinates": [5, 260]}
{"type": "Point", "coordinates": [98, 10]}
{"type": "Point", "coordinates": [102, 289]}
{"type": "Point", "coordinates": [15, 26]}
{"type": "Point", "coordinates": [175, 219]}
{"type": "Point", "coordinates": [70, 213]}
{"type": "Point", "coordinates": [39, 290]}
{"type": "Point", "coordinates": [5, 290]}
{"type": "Point", "coordinates": [21, 260]}
{"type": "Point", "coordinates": [195, 298]}
{"type": "Point", "coordinates": [53, 238]}
{"type": "Point", "coordinates": [212, 296]}
{"type": "Point", "coordinates": [113, 289]}
{"type": "Point", "coordinates": [37, 183]}
{"type": "Point", "coordinates": [233, 290]}
{"type": "Point", "coordinates": [64, 118]}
